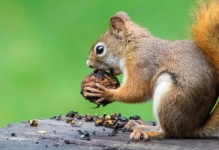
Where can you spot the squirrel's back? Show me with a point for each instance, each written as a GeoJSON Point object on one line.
{"type": "Point", "coordinates": [182, 56]}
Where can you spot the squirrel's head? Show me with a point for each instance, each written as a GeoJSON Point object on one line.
{"type": "Point", "coordinates": [110, 50]}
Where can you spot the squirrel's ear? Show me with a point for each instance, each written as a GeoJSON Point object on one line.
{"type": "Point", "coordinates": [117, 26]}
{"type": "Point", "coordinates": [123, 15]}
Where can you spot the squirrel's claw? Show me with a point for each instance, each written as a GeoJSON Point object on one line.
{"type": "Point", "coordinates": [93, 90]}
{"type": "Point", "coordinates": [89, 94]}
{"type": "Point", "coordinates": [102, 88]}
{"type": "Point", "coordinates": [138, 134]}
{"type": "Point", "coordinates": [100, 100]}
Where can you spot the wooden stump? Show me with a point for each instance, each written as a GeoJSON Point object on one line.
{"type": "Point", "coordinates": [53, 134]}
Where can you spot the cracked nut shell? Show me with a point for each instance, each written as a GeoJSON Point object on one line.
{"type": "Point", "coordinates": [103, 78]}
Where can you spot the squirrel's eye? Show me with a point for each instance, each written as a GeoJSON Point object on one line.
{"type": "Point", "coordinates": [100, 49]}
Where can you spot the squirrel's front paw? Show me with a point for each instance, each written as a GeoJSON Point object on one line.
{"type": "Point", "coordinates": [101, 92]}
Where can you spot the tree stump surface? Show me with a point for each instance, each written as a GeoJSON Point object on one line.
{"type": "Point", "coordinates": [51, 134]}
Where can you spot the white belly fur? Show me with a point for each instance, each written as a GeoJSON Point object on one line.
{"type": "Point", "coordinates": [163, 85]}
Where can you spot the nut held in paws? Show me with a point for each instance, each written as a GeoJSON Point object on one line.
{"type": "Point", "coordinates": [102, 78]}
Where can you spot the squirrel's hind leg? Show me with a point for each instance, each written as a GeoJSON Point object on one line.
{"type": "Point", "coordinates": [133, 124]}
{"type": "Point", "coordinates": [140, 134]}
{"type": "Point", "coordinates": [143, 132]}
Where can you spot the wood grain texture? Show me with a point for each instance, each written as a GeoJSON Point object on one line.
{"type": "Point", "coordinates": [60, 135]}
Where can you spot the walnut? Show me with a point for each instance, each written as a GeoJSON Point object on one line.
{"type": "Point", "coordinates": [103, 78]}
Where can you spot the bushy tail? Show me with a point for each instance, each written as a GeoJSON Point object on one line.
{"type": "Point", "coordinates": [205, 32]}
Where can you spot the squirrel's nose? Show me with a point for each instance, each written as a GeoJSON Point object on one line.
{"type": "Point", "coordinates": [88, 64]}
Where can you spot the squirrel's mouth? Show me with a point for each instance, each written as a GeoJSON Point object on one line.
{"type": "Point", "coordinates": [115, 72]}
{"type": "Point", "coordinates": [111, 71]}
{"type": "Point", "coordinates": [105, 67]}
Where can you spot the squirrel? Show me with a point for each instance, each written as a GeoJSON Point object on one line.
{"type": "Point", "coordinates": [181, 77]}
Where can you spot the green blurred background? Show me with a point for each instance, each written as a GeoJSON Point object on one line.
{"type": "Point", "coordinates": [44, 45]}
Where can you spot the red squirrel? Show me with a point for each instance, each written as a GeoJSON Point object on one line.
{"type": "Point", "coordinates": [180, 77]}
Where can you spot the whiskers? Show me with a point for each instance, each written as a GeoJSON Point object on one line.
{"type": "Point", "coordinates": [82, 58]}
